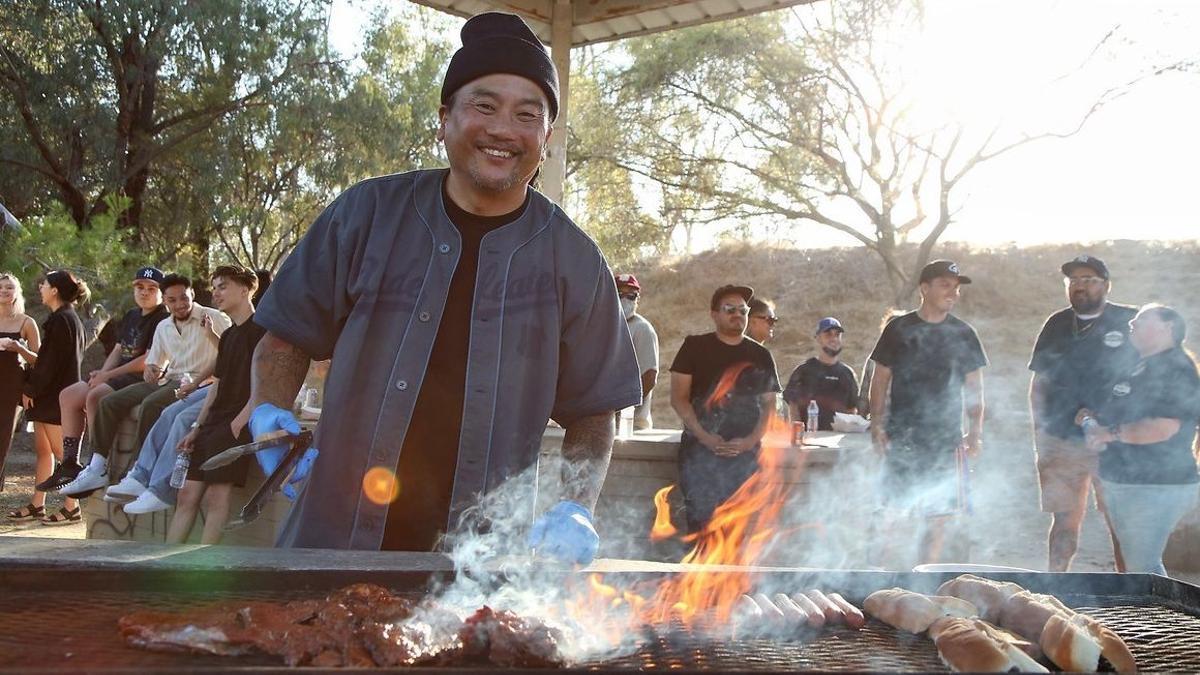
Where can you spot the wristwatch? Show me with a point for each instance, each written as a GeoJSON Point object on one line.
{"type": "Point", "coordinates": [1115, 431]}
{"type": "Point", "coordinates": [196, 424]}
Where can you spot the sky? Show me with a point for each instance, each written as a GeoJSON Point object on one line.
{"type": "Point", "coordinates": [1129, 174]}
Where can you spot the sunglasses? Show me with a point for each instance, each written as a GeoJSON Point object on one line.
{"type": "Point", "coordinates": [735, 309]}
{"type": "Point", "coordinates": [772, 320]}
{"type": "Point", "coordinates": [628, 296]}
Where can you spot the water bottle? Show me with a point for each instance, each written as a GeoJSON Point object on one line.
{"type": "Point", "coordinates": [625, 429]}
{"type": "Point", "coordinates": [814, 411]}
{"type": "Point", "coordinates": [179, 473]}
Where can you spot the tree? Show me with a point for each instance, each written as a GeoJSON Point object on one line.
{"type": "Point", "coordinates": [815, 129]}
{"type": "Point", "coordinates": [107, 91]}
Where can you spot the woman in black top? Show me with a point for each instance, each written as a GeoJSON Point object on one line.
{"type": "Point", "coordinates": [15, 327]}
{"type": "Point", "coordinates": [55, 368]}
{"type": "Point", "coordinates": [1146, 431]}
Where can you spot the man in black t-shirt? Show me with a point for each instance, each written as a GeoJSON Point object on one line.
{"type": "Point", "coordinates": [931, 363]}
{"type": "Point", "coordinates": [723, 387]}
{"type": "Point", "coordinates": [823, 377]}
{"type": "Point", "coordinates": [222, 421]}
{"type": "Point", "coordinates": [1079, 354]}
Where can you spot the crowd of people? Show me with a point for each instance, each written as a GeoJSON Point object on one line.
{"type": "Point", "coordinates": [463, 310]}
{"type": "Point", "coordinates": [184, 366]}
{"type": "Point", "coordinates": [1115, 399]}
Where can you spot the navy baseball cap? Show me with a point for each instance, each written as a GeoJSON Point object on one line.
{"type": "Point", "coordinates": [149, 274]}
{"type": "Point", "coordinates": [1088, 261]}
{"type": "Point", "coordinates": [942, 268]}
{"type": "Point", "coordinates": [829, 323]}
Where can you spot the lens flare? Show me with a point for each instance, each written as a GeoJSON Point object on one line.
{"type": "Point", "coordinates": [380, 485]}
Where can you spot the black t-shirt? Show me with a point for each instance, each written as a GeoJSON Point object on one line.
{"type": "Point", "coordinates": [834, 387]}
{"type": "Point", "coordinates": [1164, 385]}
{"type": "Point", "coordinates": [929, 362]}
{"type": "Point", "coordinates": [232, 370]}
{"type": "Point", "coordinates": [742, 372]}
{"type": "Point", "coordinates": [1080, 360]}
{"type": "Point", "coordinates": [137, 332]}
{"type": "Point", "coordinates": [429, 455]}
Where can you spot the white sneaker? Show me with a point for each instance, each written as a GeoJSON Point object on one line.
{"type": "Point", "coordinates": [125, 491]}
{"type": "Point", "coordinates": [88, 481]}
{"type": "Point", "coordinates": [146, 502]}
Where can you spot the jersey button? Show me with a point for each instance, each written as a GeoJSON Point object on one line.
{"type": "Point", "coordinates": [402, 385]}
{"type": "Point", "coordinates": [423, 316]}
{"type": "Point", "coordinates": [443, 248]}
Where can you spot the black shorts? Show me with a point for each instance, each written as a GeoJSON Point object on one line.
{"type": "Point", "coordinates": [213, 438]}
{"type": "Point", "coordinates": [121, 381]}
{"type": "Point", "coordinates": [925, 480]}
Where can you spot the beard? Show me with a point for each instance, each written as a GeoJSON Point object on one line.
{"type": "Point", "coordinates": [831, 352]}
{"type": "Point", "coordinates": [1086, 305]}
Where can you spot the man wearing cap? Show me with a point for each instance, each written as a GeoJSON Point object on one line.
{"type": "Point", "coordinates": [931, 363]}
{"type": "Point", "coordinates": [723, 387]}
{"type": "Point", "coordinates": [462, 310]}
{"type": "Point", "coordinates": [1080, 353]}
{"type": "Point", "coordinates": [645, 345]}
{"type": "Point", "coordinates": [761, 325]}
{"type": "Point", "coordinates": [823, 377]}
{"type": "Point", "coordinates": [123, 367]}
{"type": "Point", "coordinates": [186, 342]}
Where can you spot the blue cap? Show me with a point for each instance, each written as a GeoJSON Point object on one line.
{"type": "Point", "coordinates": [149, 274]}
{"type": "Point", "coordinates": [829, 323]}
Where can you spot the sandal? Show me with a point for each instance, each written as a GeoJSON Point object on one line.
{"type": "Point", "coordinates": [63, 517]}
{"type": "Point", "coordinates": [27, 512]}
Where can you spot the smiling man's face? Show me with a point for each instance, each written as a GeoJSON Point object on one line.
{"type": "Point", "coordinates": [495, 130]}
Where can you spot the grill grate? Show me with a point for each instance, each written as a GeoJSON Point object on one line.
{"type": "Point", "coordinates": [1160, 635]}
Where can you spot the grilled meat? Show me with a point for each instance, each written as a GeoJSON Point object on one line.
{"type": "Point", "coordinates": [358, 626]}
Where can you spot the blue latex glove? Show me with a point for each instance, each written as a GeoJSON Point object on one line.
{"type": "Point", "coordinates": [266, 419]}
{"type": "Point", "coordinates": [565, 532]}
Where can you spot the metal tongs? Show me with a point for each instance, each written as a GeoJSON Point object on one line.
{"type": "Point", "coordinates": [298, 444]}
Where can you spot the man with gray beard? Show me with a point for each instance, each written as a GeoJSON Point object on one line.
{"type": "Point", "coordinates": [1079, 354]}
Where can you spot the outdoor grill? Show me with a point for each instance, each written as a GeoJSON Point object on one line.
{"type": "Point", "coordinates": [62, 618]}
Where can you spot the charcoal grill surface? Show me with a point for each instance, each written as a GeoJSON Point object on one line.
{"type": "Point", "coordinates": [69, 624]}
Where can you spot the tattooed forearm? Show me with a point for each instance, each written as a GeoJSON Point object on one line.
{"type": "Point", "coordinates": [276, 373]}
{"type": "Point", "coordinates": [586, 450]}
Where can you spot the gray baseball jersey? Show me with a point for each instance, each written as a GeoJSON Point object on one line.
{"type": "Point", "coordinates": [367, 285]}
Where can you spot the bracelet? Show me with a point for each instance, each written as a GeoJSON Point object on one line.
{"type": "Point", "coordinates": [196, 424]}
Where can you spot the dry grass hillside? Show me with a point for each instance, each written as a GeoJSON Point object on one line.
{"type": "Point", "coordinates": [1014, 290]}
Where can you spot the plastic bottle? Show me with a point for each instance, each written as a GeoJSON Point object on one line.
{"type": "Point", "coordinates": [179, 473]}
{"type": "Point", "coordinates": [625, 429]}
{"type": "Point", "coordinates": [814, 412]}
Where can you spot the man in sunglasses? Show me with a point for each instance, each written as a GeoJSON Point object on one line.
{"type": "Point", "coordinates": [723, 387]}
{"type": "Point", "coordinates": [645, 344]}
{"type": "Point", "coordinates": [762, 320]}
{"type": "Point", "coordinates": [1081, 352]}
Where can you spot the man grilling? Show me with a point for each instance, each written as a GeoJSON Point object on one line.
{"type": "Point", "coordinates": [462, 309]}
{"type": "Point", "coordinates": [723, 387]}
{"type": "Point", "coordinates": [930, 363]}
{"type": "Point", "coordinates": [1080, 353]}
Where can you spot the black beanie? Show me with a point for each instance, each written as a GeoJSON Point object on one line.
{"type": "Point", "coordinates": [496, 42]}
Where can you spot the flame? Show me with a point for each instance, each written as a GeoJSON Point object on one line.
{"type": "Point", "coordinates": [380, 485]}
{"type": "Point", "coordinates": [725, 385]}
{"type": "Point", "coordinates": [738, 533]}
{"type": "Point", "coordinates": [663, 528]}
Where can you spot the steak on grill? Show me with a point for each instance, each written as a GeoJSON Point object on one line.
{"type": "Point", "coordinates": [357, 626]}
